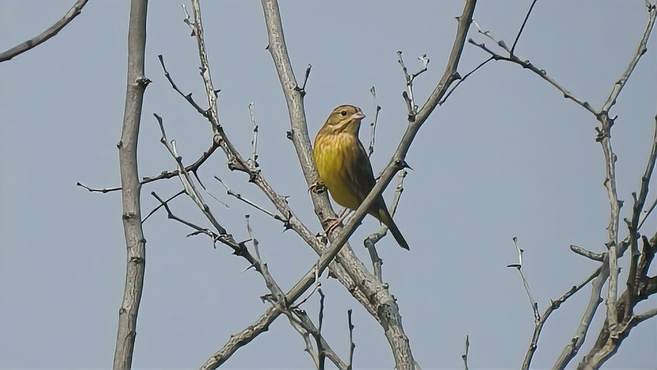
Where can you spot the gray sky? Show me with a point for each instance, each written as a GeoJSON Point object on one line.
{"type": "Point", "coordinates": [507, 155]}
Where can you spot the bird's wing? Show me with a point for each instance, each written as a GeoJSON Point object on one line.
{"type": "Point", "coordinates": [360, 173]}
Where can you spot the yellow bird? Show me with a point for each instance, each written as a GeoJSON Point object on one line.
{"type": "Point", "coordinates": [344, 167]}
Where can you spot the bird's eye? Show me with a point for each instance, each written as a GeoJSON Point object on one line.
{"type": "Point", "coordinates": [343, 113]}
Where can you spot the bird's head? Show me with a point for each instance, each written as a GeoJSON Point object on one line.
{"type": "Point", "coordinates": [344, 118]}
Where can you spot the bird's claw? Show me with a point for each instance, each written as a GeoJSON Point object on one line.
{"type": "Point", "coordinates": [317, 187]}
{"type": "Point", "coordinates": [332, 223]}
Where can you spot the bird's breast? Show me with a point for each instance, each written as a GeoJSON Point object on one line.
{"type": "Point", "coordinates": [334, 153]}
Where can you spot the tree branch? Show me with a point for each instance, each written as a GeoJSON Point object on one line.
{"type": "Point", "coordinates": [466, 351]}
{"type": "Point", "coordinates": [134, 234]}
{"type": "Point", "coordinates": [554, 305]}
{"type": "Point", "coordinates": [372, 239]}
{"type": "Point", "coordinates": [75, 10]}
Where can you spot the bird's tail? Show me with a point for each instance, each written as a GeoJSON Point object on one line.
{"type": "Point", "coordinates": [384, 216]}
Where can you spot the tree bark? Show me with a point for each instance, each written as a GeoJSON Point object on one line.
{"type": "Point", "coordinates": [134, 235]}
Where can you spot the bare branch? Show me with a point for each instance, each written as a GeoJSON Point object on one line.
{"type": "Point", "coordinates": [464, 356]}
{"type": "Point", "coordinates": [75, 10]}
{"type": "Point", "coordinates": [198, 230]}
{"type": "Point", "coordinates": [239, 196]}
{"type": "Point", "coordinates": [134, 234]}
{"type": "Point", "coordinates": [596, 256]}
{"type": "Point", "coordinates": [645, 315]}
{"type": "Point", "coordinates": [188, 96]}
{"type": "Point", "coordinates": [210, 91]}
{"type": "Point", "coordinates": [525, 283]}
{"type": "Point", "coordinates": [554, 305]}
{"type": "Point", "coordinates": [193, 168]}
{"type": "Point", "coordinates": [162, 203]}
{"type": "Point", "coordinates": [372, 239]}
{"type": "Point", "coordinates": [352, 346]}
{"type": "Point", "coordinates": [370, 149]}
{"type": "Point", "coordinates": [253, 160]}
{"type": "Point", "coordinates": [637, 209]}
{"type": "Point", "coordinates": [539, 72]}
{"type": "Point", "coordinates": [570, 350]}
{"type": "Point", "coordinates": [647, 213]}
{"type": "Point", "coordinates": [321, 351]}
{"type": "Point", "coordinates": [640, 51]}
{"type": "Point", "coordinates": [463, 78]}
{"type": "Point", "coordinates": [408, 95]}
{"type": "Point", "coordinates": [524, 23]}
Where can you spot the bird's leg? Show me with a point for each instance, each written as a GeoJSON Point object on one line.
{"type": "Point", "coordinates": [332, 223]}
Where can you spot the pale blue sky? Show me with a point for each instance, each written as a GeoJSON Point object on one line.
{"type": "Point", "coordinates": [505, 156]}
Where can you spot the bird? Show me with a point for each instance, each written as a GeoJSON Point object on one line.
{"type": "Point", "coordinates": [344, 167]}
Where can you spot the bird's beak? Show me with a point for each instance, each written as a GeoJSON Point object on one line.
{"type": "Point", "coordinates": [357, 116]}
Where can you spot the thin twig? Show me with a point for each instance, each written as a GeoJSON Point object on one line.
{"type": "Point", "coordinates": [524, 22]}
{"type": "Point", "coordinates": [463, 78]}
{"type": "Point", "coordinates": [464, 356]}
{"type": "Point", "coordinates": [542, 73]}
{"type": "Point", "coordinates": [297, 317]}
{"type": "Point", "coordinates": [162, 204]}
{"type": "Point", "coordinates": [321, 351]}
{"type": "Point", "coordinates": [637, 209]}
{"type": "Point", "coordinates": [188, 96]}
{"type": "Point", "coordinates": [408, 94]}
{"type": "Point", "coordinates": [647, 213]}
{"type": "Point", "coordinates": [164, 175]}
{"type": "Point", "coordinates": [352, 345]}
{"type": "Point", "coordinates": [576, 341]}
{"type": "Point", "coordinates": [371, 240]}
{"type": "Point", "coordinates": [525, 283]}
{"type": "Point", "coordinates": [553, 306]}
{"type": "Point", "coordinates": [302, 323]}
{"type": "Point", "coordinates": [596, 256]}
{"type": "Point", "coordinates": [198, 230]}
{"type": "Point", "coordinates": [370, 149]}
{"type": "Point", "coordinates": [253, 160]}
{"type": "Point", "coordinates": [75, 10]}
{"type": "Point", "coordinates": [239, 196]}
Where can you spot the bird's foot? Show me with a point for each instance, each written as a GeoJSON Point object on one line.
{"type": "Point", "coordinates": [332, 223]}
{"type": "Point", "coordinates": [317, 187]}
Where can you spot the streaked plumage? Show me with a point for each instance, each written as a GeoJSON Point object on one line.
{"type": "Point", "coordinates": [344, 167]}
